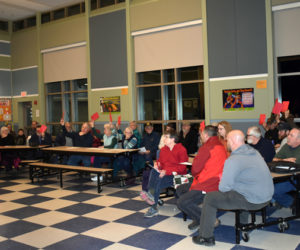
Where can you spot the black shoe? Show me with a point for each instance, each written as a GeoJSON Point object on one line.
{"type": "Point", "coordinates": [204, 241]}
{"type": "Point", "coordinates": [194, 225]}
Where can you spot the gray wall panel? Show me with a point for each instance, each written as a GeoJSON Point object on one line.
{"type": "Point", "coordinates": [25, 80]}
{"type": "Point", "coordinates": [236, 37]}
{"type": "Point", "coordinates": [221, 38]}
{"type": "Point", "coordinates": [108, 50]}
{"type": "Point", "coordinates": [4, 48]}
{"type": "Point", "coordinates": [251, 37]}
{"type": "Point", "coordinates": [5, 83]}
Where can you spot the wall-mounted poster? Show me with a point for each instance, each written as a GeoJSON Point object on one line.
{"type": "Point", "coordinates": [238, 99]}
{"type": "Point", "coordinates": [110, 104]}
{"type": "Point", "coordinates": [5, 110]}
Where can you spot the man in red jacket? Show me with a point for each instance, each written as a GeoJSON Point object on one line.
{"type": "Point", "coordinates": [207, 170]}
{"type": "Point", "coordinates": [170, 157]}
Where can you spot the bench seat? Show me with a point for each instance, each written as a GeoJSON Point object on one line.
{"type": "Point", "coordinates": [34, 166]}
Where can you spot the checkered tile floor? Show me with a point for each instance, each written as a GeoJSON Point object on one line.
{"type": "Point", "coordinates": [44, 216]}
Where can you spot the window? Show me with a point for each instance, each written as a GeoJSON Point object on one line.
{"type": "Point", "coordinates": [69, 98]}
{"type": "Point", "coordinates": [289, 82]}
{"type": "Point", "coordinates": [31, 22]}
{"type": "Point", "coordinates": [95, 4]}
{"type": "Point", "coordinates": [104, 3]}
{"type": "Point", "coordinates": [170, 95]}
{"type": "Point", "coordinates": [4, 25]}
{"type": "Point", "coordinates": [18, 25]}
{"type": "Point", "coordinates": [74, 10]}
{"type": "Point", "coordinates": [58, 14]}
{"type": "Point", "coordinates": [46, 17]}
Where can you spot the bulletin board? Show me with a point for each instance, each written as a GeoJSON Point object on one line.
{"type": "Point", "coordinates": [5, 110]}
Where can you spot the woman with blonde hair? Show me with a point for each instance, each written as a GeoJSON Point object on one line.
{"type": "Point", "coordinates": [224, 128]}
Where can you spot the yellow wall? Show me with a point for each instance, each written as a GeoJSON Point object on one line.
{"type": "Point", "coordinates": [4, 62]}
{"type": "Point", "coordinates": [146, 14]}
{"type": "Point", "coordinates": [24, 48]}
{"type": "Point", "coordinates": [4, 35]}
{"type": "Point", "coordinates": [125, 113]}
{"type": "Point", "coordinates": [63, 32]}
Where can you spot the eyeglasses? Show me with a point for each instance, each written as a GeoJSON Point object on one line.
{"type": "Point", "coordinates": [249, 135]}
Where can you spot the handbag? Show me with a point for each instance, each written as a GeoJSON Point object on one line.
{"type": "Point", "coordinates": [283, 167]}
{"type": "Point", "coordinates": [181, 179]}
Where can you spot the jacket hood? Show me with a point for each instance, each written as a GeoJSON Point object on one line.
{"type": "Point", "coordinates": [244, 150]}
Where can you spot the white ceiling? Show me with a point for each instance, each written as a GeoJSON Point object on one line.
{"type": "Point", "coordinates": [12, 10]}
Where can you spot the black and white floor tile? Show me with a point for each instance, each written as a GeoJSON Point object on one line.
{"type": "Point", "coordinates": [44, 216]}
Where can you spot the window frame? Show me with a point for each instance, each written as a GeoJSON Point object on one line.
{"type": "Point", "coordinates": [178, 99]}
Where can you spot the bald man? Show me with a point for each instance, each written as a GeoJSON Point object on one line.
{"type": "Point", "coordinates": [246, 184]}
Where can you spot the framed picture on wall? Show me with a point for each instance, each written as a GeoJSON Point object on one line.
{"type": "Point", "coordinates": [238, 99]}
{"type": "Point", "coordinates": [110, 104]}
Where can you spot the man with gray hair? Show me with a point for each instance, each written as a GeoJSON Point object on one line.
{"type": "Point", "coordinates": [262, 145]}
{"type": "Point", "coordinates": [246, 184]}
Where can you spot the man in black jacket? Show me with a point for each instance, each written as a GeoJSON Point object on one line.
{"type": "Point", "coordinates": [189, 138]}
{"type": "Point", "coordinates": [39, 138]}
{"type": "Point", "coordinates": [262, 145]}
{"type": "Point", "coordinates": [80, 139]}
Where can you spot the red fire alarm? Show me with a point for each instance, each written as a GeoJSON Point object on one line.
{"type": "Point", "coordinates": [35, 102]}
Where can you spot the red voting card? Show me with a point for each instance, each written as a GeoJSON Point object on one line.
{"type": "Point", "coordinates": [262, 119]}
{"type": "Point", "coordinates": [119, 120]}
{"type": "Point", "coordinates": [43, 128]}
{"type": "Point", "coordinates": [95, 116]}
{"type": "Point", "coordinates": [110, 117]}
{"type": "Point", "coordinates": [202, 126]}
{"type": "Point", "coordinates": [285, 106]}
{"type": "Point", "coordinates": [277, 108]}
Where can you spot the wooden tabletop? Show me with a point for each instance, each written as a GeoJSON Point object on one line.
{"type": "Point", "coordinates": [89, 151]}
{"type": "Point", "coordinates": [21, 147]}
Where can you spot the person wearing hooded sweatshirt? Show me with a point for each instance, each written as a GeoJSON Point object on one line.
{"type": "Point", "coordinates": [246, 184]}
{"type": "Point", "coordinates": [207, 170]}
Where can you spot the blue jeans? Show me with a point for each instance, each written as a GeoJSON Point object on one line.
{"type": "Point", "coordinates": [280, 193]}
{"type": "Point", "coordinates": [122, 162]}
{"type": "Point", "coordinates": [156, 184]}
{"type": "Point", "coordinates": [99, 160]}
{"type": "Point", "coordinates": [75, 160]}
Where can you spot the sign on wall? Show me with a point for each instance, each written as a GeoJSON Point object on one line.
{"type": "Point", "coordinates": [5, 110]}
{"type": "Point", "coordinates": [238, 99]}
{"type": "Point", "coordinates": [110, 104]}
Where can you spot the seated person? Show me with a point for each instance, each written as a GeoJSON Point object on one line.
{"type": "Point", "coordinates": [224, 127]}
{"type": "Point", "coordinates": [37, 139]}
{"type": "Point", "coordinates": [21, 138]}
{"type": "Point", "coordinates": [136, 133]}
{"type": "Point", "coordinates": [128, 141]}
{"type": "Point", "coordinates": [80, 139]}
{"type": "Point", "coordinates": [32, 129]}
{"type": "Point", "coordinates": [284, 129]}
{"type": "Point", "coordinates": [10, 128]}
{"type": "Point", "coordinates": [246, 184]}
{"type": "Point", "coordinates": [62, 140]}
{"type": "Point", "coordinates": [6, 139]}
{"type": "Point", "coordinates": [207, 170]}
{"type": "Point", "coordinates": [170, 127]}
{"type": "Point", "coordinates": [150, 142]}
{"type": "Point", "coordinates": [188, 138]}
{"type": "Point", "coordinates": [290, 152]}
{"type": "Point", "coordinates": [109, 141]}
{"type": "Point", "coordinates": [271, 130]}
{"type": "Point", "coordinates": [262, 145]}
{"type": "Point", "coordinates": [161, 176]}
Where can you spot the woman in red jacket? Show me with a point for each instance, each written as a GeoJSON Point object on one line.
{"type": "Point", "coordinates": [170, 157]}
